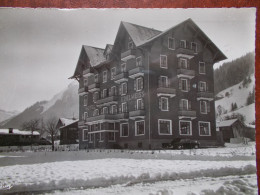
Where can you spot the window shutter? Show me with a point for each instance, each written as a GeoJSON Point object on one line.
{"type": "Point", "coordinates": [159, 82]}
{"type": "Point", "coordinates": [160, 103]}
{"type": "Point", "coordinates": [135, 105]}
{"type": "Point", "coordinates": [142, 82]}
{"type": "Point", "coordinates": [126, 88]}
{"type": "Point", "coordinates": [126, 107]}
{"type": "Point", "coordinates": [189, 105]}
{"type": "Point", "coordinates": [109, 92]}
{"type": "Point", "coordinates": [179, 63]}
{"type": "Point", "coordinates": [135, 84]}
{"type": "Point", "coordinates": [116, 110]}
{"type": "Point", "coordinates": [188, 81]}
{"type": "Point", "coordinates": [188, 64]}
{"type": "Point", "coordinates": [208, 106]}
{"type": "Point", "coordinates": [115, 90]}
{"type": "Point", "coordinates": [142, 104]}
{"type": "Point", "coordinates": [120, 89]}
{"type": "Point", "coordinates": [180, 104]}
{"type": "Point", "coordinates": [207, 87]}
{"type": "Point", "coordinates": [120, 109]}
{"type": "Point", "coordinates": [180, 85]}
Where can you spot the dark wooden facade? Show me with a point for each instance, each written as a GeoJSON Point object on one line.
{"type": "Point", "coordinates": [148, 89]}
{"type": "Point", "coordinates": [69, 132]}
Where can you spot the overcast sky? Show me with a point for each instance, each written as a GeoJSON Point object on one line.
{"type": "Point", "coordinates": [39, 48]}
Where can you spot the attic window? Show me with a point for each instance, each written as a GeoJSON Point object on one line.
{"type": "Point", "coordinates": [171, 43]}
{"type": "Point", "coordinates": [130, 44]}
{"type": "Point", "coordinates": [194, 47]}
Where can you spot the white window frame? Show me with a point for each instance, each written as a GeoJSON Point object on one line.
{"type": "Point", "coordinates": [136, 128]}
{"type": "Point", "coordinates": [105, 108]}
{"type": "Point", "coordinates": [187, 103]}
{"type": "Point", "coordinates": [114, 137]}
{"type": "Point", "coordinates": [186, 63]}
{"type": "Point", "coordinates": [202, 72]}
{"type": "Point", "coordinates": [100, 137]}
{"type": "Point", "coordinates": [85, 100]}
{"type": "Point", "coordinates": [123, 103]}
{"type": "Point", "coordinates": [104, 93]}
{"type": "Point", "coordinates": [85, 115]}
{"type": "Point", "coordinates": [96, 78]}
{"type": "Point", "coordinates": [96, 111]}
{"type": "Point", "coordinates": [121, 134]}
{"type": "Point", "coordinates": [162, 56]}
{"type": "Point", "coordinates": [113, 88]}
{"type": "Point", "coordinates": [185, 43]}
{"type": "Point", "coordinates": [104, 76]}
{"type": "Point", "coordinates": [159, 130]}
{"type": "Point", "coordinates": [167, 100]}
{"type": "Point", "coordinates": [123, 67]}
{"type": "Point", "coordinates": [187, 88]}
{"type": "Point", "coordinates": [113, 106]}
{"type": "Point", "coordinates": [140, 105]}
{"type": "Point", "coordinates": [113, 73]}
{"type": "Point", "coordinates": [90, 138]}
{"type": "Point", "coordinates": [196, 50]}
{"type": "Point", "coordinates": [122, 88]}
{"type": "Point", "coordinates": [141, 63]}
{"type": "Point", "coordinates": [205, 85]}
{"type": "Point", "coordinates": [206, 107]}
{"type": "Point", "coordinates": [95, 99]}
{"type": "Point", "coordinates": [167, 81]}
{"type": "Point", "coordinates": [137, 86]}
{"type": "Point", "coordinates": [209, 128]}
{"type": "Point", "coordinates": [190, 127]}
{"type": "Point", "coordinates": [83, 133]}
{"type": "Point", "coordinates": [173, 43]}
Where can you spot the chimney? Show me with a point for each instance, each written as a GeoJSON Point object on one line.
{"type": "Point", "coordinates": [11, 130]}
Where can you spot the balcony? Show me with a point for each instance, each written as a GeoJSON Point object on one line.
{"type": "Point", "coordinates": [107, 101]}
{"type": "Point", "coordinates": [136, 72]}
{"type": "Point", "coordinates": [81, 123]}
{"type": "Point", "coordinates": [137, 114]}
{"type": "Point", "coordinates": [185, 52]}
{"type": "Point", "coordinates": [94, 87]}
{"type": "Point", "coordinates": [88, 72]}
{"type": "Point", "coordinates": [129, 54]}
{"type": "Point", "coordinates": [122, 77]}
{"type": "Point", "coordinates": [185, 73]}
{"type": "Point", "coordinates": [204, 95]}
{"type": "Point", "coordinates": [166, 91]}
{"type": "Point", "coordinates": [187, 114]}
{"type": "Point", "coordinates": [122, 116]}
{"type": "Point", "coordinates": [101, 118]}
{"type": "Point", "coordinates": [83, 91]}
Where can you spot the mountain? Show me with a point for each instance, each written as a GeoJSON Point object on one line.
{"type": "Point", "coordinates": [235, 100]}
{"type": "Point", "coordinates": [4, 115]}
{"type": "Point", "coordinates": [64, 104]}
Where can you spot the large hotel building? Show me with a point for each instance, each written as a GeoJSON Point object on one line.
{"type": "Point", "coordinates": [147, 89]}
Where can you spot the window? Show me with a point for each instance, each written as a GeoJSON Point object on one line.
{"type": "Point", "coordinates": [85, 82]}
{"type": "Point", "coordinates": [111, 136]}
{"type": "Point", "coordinates": [105, 110]}
{"type": "Point", "coordinates": [139, 128]}
{"type": "Point", "coordinates": [113, 109]}
{"type": "Point", "coordinates": [101, 137]}
{"type": "Point", "coordinates": [123, 88]}
{"type": "Point", "coordinates": [163, 81]}
{"type": "Point", "coordinates": [113, 91]}
{"type": "Point", "coordinates": [95, 97]}
{"type": "Point", "coordinates": [113, 73]}
{"type": "Point", "coordinates": [183, 43]}
{"type": "Point", "coordinates": [193, 46]}
{"type": "Point", "coordinates": [124, 107]}
{"type": "Point", "coordinates": [84, 134]}
{"type": "Point", "coordinates": [185, 128]}
{"type": "Point", "coordinates": [96, 78]}
{"type": "Point", "coordinates": [171, 43]}
{"type": "Point", "coordinates": [184, 85]}
{"type": "Point", "coordinates": [202, 86]}
{"type": "Point", "coordinates": [164, 104]}
{"type": "Point", "coordinates": [130, 44]}
{"type": "Point", "coordinates": [183, 63]}
{"type": "Point", "coordinates": [85, 116]}
{"type": "Point", "coordinates": [104, 76]}
{"type": "Point", "coordinates": [139, 84]}
{"type": "Point", "coordinates": [124, 130]}
{"type": "Point", "coordinates": [139, 61]}
{"type": "Point", "coordinates": [104, 94]}
{"type": "Point", "coordinates": [90, 138]}
{"type": "Point", "coordinates": [96, 112]}
{"type": "Point", "coordinates": [123, 67]}
{"type": "Point", "coordinates": [202, 68]}
{"type": "Point", "coordinates": [203, 107]}
{"type": "Point", "coordinates": [163, 61]}
{"type": "Point", "coordinates": [164, 127]}
{"type": "Point", "coordinates": [139, 104]}
{"type": "Point", "coordinates": [204, 128]}
{"type": "Point", "coordinates": [85, 100]}
{"type": "Point", "coordinates": [184, 104]}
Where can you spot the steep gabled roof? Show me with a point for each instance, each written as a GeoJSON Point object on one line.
{"type": "Point", "coordinates": [140, 34]}
{"type": "Point", "coordinates": [108, 48]}
{"type": "Point", "coordinates": [226, 123]}
{"type": "Point", "coordinates": [66, 121]}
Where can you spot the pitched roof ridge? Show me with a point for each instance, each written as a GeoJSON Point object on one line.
{"type": "Point", "coordinates": [93, 47]}
{"type": "Point", "coordinates": [141, 26]}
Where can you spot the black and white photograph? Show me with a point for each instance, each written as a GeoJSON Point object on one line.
{"type": "Point", "coordinates": [127, 101]}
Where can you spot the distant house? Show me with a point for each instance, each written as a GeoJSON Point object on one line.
{"type": "Point", "coordinates": [68, 131]}
{"type": "Point", "coordinates": [15, 137]}
{"type": "Point", "coordinates": [234, 128]}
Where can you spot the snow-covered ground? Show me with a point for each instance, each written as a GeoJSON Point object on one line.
{"type": "Point", "coordinates": [132, 172]}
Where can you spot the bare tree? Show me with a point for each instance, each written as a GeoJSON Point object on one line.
{"type": "Point", "coordinates": [51, 129]}
{"type": "Point", "coordinates": [32, 125]}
